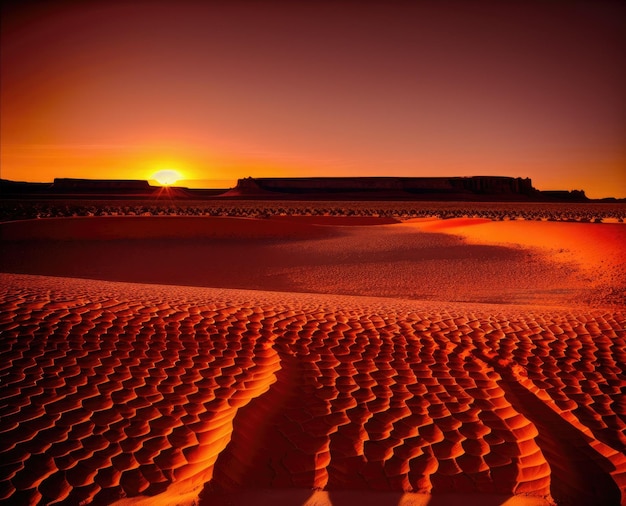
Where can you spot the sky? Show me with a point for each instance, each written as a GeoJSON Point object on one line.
{"type": "Point", "coordinates": [220, 90]}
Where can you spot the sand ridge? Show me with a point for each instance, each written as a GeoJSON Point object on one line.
{"type": "Point", "coordinates": [113, 389]}
{"type": "Point", "coordinates": [334, 255]}
{"type": "Point", "coordinates": [588, 245]}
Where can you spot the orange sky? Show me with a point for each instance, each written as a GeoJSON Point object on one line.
{"type": "Point", "coordinates": [221, 90]}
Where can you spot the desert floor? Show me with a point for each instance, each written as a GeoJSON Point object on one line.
{"type": "Point", "coordinates": [312, 361]}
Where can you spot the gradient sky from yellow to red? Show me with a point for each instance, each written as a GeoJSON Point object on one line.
{"type": "Point", "coordinates": [227, 89]}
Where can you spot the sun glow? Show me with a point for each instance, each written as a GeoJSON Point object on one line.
{"type": "Point", "coordinates": [167, 177]}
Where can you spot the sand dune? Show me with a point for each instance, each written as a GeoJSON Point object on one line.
{"type": "Point", "coordinates": [589, 247]}
{"type": "Point", "coordinates": [165, 394]}
{"type": "Point", "coordinates": [142, 227]}
{"type": "Point", "coordinates": [113, 390]}
{"type": "Point", "coordinates": [309, 254]}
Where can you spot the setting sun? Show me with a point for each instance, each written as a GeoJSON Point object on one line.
{"type": "Point", "coordinates": [167, 177]}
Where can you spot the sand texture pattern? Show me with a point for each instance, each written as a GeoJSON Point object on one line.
{"type": "Point", "coordinates": [312, 361]}
{"type": "Point", "coordinates": [112, 390]}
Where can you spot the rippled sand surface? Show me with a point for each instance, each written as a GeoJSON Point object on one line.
{"type": "Point", "coordinates": [338, 378]}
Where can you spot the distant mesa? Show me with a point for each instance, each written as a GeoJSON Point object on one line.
{"type": "Point", "coordinates": [104, 185]}
{"type": "Point", "coordinates": [77, 187]}
{"type": "Point", "coordinates": [99, 189]}
{"type": "Point", "coordinates": [444, 186]}
{"type": "Point", "coordinates": [475, 188]}
{"type": "Point", "coordinates": [470, 189]}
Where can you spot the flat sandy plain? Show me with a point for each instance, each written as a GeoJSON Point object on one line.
{"type": "Point", "coordinates": [312, 361]}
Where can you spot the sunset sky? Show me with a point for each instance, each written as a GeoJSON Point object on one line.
{"type": "Point", "coordinates": [227, 89]}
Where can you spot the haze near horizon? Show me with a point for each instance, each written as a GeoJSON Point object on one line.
{"type": "Point", "coordinates": [224, 90]}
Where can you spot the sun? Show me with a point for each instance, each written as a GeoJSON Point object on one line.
{"type": "Point", "coordinates": [166, 177]}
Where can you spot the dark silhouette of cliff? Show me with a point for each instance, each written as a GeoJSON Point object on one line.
{"type": "Point", "coordinates": [475, 188]}
{"type": "Point", "coordinates": [88, 188]}
{"type": "Point", "coordinates": [71, 185]}
{"type": "Point", "coordinates": [470, 189]}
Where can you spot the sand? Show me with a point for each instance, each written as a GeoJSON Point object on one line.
{"type": "Point", "coordinates": [312, 362]}
{"type": "Point", "coordinates": [308, 254]}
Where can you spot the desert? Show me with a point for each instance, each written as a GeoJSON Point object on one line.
{"type": "Point", "coordinates": [331, 359]}
{"type": "Point", "coordinates": [296, 253]}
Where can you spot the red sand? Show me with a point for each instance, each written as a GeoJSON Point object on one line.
{"type": "Point", "coordinates": [589, 246]}
{"type": "Point", "coordinates": [222, 396]}
{"type": "Point", "coordinates": [400, 261]}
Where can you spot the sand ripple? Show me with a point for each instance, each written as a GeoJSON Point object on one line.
{"type": "Point", "coordinates": [112, 390]}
